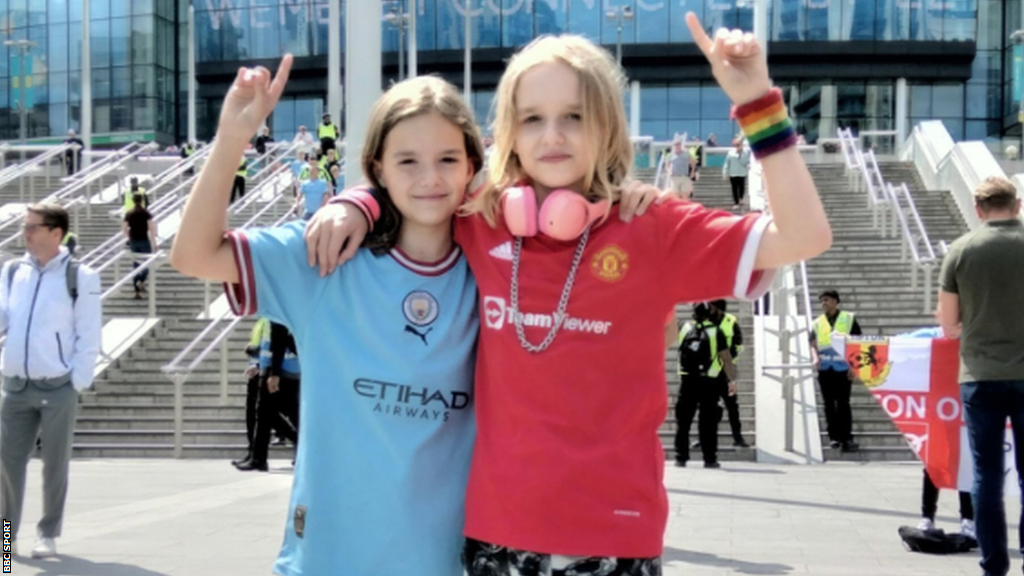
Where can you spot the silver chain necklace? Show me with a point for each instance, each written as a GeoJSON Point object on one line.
{"type": "Point", "coordinates": [563, 301]}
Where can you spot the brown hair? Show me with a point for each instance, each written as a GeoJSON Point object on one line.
{"type": "Point", "coordinates": [995, 194]}
{"type": "Point", "coordinates": [407, 99]}
{"type": "Point", "coordinates": [601, 84]}
{"type": "Point", "coordinates": [54, 215]}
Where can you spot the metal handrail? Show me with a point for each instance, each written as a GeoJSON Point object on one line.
{"type": "Point", "coordinates": [658, 176]}
{"type": "Point", "coordinates": [79, 181]}
{"type": "Point", "coordinates": [914, 234]}
{"type": "Point", "coordinates": [109, 156]}
{"type": "Point", "coordinates": [113, 251]}
{"type": "Point", "coordinates": [174, 366]}
{"type": "Point", "coordinates": [178, 374]}
{"type": "Point", "coordinates": [34, 163]}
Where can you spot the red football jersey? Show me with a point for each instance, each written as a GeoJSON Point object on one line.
{"type": "Point", "coordinates": [567, 458]}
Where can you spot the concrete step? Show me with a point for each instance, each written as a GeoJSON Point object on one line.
{"type": "Point", "coordinates": [281, 455]}
{"type": "Point", "coordinates": [235, 410]}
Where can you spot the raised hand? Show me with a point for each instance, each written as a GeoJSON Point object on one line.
{"type": "Point", "coordinates": [736, 59]}
{"type": "Point", "coordinates": [251, 99]}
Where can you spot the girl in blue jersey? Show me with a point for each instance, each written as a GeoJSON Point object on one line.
{"type": "Point", "coordinates": [387, 345]}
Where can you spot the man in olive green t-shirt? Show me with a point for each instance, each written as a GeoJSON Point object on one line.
{"type": "Point", "coordinates": [981, 300]}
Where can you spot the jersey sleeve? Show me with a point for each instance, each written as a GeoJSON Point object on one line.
{"type": "Point", "coordinates": [275, 279]}
{"type": "Point", "coordinates": [709, 254]}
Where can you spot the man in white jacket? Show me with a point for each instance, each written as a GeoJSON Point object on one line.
{"type": "Point", "coordinates": [50, 309]}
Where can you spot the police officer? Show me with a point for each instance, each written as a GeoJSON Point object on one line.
{"type": "Point", "coordinates": [129, 196]}
{"type": "Point", "coordinates": [188, 149]}
{"type": "Point", "coordinates": [238, 190]}
{"type": "Point", "coordinates": [834, 377]}
{"type": "Point", "coordinates": [259, 340]}
{"type": "Point", "coordinates": [730, 328]}
{"type": "Point", "coordinates": [278, 395]}
{"type": "Point", "coordinates": [328, 133]}
{"type": "Point", "coordinates": [698, 385]}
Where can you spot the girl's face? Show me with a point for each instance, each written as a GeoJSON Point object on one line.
{"type": "Point", "coordinates": [550, 136]}
{"type": "Point", "coordinates": [425, 168]}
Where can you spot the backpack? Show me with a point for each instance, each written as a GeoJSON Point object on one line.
{"type": "Point", "coordinates": [935, 541]}
{"type": "Point", "coordinates": [70, 277]}
{"type": "Point", "coordinates": [695, 351]}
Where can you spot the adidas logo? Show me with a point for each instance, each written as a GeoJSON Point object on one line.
{"type": "Point", "coordinates": [502, 251]}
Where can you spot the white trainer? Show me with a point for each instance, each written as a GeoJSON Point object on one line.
{"type": "Point", "coordinates": [926, 524]}
{"type": "Point", "coordinates": [967, 528]}
{"type": "Point", "coordinates": [45, 548]}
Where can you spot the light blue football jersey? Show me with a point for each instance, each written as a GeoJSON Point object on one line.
{"type": "Point", "coordinates": [388, 347]}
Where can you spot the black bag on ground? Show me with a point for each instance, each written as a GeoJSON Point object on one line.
{"type": "Point", "coordinates": [935, 541]}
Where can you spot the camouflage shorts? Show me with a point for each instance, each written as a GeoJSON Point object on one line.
{"type": "Point", "coordinates": [483, 559]}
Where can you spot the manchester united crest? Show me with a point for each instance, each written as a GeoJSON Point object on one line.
{"type": "Point", "coordinates": [869, 360]}
{"type": "Point", "coordinates": [610, 263]}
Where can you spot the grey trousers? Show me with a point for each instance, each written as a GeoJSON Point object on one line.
{"type": "Point", "coordinates": [25, 414]}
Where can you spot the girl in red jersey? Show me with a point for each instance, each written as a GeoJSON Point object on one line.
{"type": "Point", "coordinates": [567, 469]}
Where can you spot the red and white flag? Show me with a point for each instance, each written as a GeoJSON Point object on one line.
{"type": "Point", "coordinates": [915, 381]}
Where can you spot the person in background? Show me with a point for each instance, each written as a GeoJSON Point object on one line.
{"type": "Point", "coordinates": [73, 156]}
{"type": "Point", "coordinates": [737, 164]}
{"type": "Point", "coordinates": [134, 189]}
{"type": "Point", "coordinates": [262, 140]}
{"type": "Point", "coordinates": [682, 186]}
{"type": "Point", "coordinates": [238, 189]}
{"type": "Point", "coordinates": [328, 134]}
{"type": "Point", "coordinates": [834, 374]}
{"type": "Point", "coordinates": [981, 302]}
{"type": "Point", "coordinates": [51, 311]}
{"type": "Point", "coordinates": [139, 227]}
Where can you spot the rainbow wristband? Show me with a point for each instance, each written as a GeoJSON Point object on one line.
{"type": "Point", "coordinates": [766, 124]}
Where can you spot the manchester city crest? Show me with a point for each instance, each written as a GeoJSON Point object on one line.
{"type": "Point", "coordinates": [420, 308]}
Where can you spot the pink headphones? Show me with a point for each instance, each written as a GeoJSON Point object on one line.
{"type": "Point", "coordinates": [565, 215]}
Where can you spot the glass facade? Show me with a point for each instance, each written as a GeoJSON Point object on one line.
{"type": "Point", "coordinates": [133, 63]}
{"type": "Point", "coordinates": [140, 76]}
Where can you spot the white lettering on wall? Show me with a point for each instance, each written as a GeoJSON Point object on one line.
{"type": "Point", "coordinates": [319, 10]}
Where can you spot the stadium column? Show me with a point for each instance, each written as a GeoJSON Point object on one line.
{"type": "Point", "coordinates": [902, 99]}
{"type": "Point", "coordinates": [334, 88]}
{"type": "Point", "coordinates": [634, 108]}
{"type": "Point", "coordinates": [85, 110]}
{"type": "Point", "coordinates": [362, 63]}
{"type": "Point", "coordinates": [191, 129]}
{"type": "Point", "coordinates": [413, 47]}
{"type": "Point", "coordinates": [828, 126]}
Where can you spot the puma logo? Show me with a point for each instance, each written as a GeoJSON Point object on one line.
{"type": "Point", "coordinates": [422, 336]}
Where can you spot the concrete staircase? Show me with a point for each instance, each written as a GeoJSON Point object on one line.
{"type": "Point", "coordinates": [873, 283]}
{"type": "Point", "coordinates": [131, 411]}
{"type": "Point", "coordinates": [716, 193]}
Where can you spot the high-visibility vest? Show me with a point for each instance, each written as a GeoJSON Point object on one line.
{"type": "Point", "coordinates": [830, 359]}
{"type": "Point", "coordinates": [728, 328]}
{"type": "Point", "coordinates": [187, 151]}
{"type": "Point", "coordinates": [129, 198]}
{"type": "Point", "coordinates": [243, 169]}
{"type": "Point", "coordinates": [304, 174]}
{"type": "Point", "coordinates": [71, 241]}
{"type": "Point", "coordinates": [257, 335]}
{"type": "Point", "coordinates": [712, 330]}
{"type": "Point", "coordinates": [327, 131]}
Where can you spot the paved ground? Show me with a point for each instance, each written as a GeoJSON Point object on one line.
{"type": "Point", "coordinates": [202, 518]}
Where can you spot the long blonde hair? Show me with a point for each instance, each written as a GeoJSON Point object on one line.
{"type": "Point", "coordinates": [601, 84]}
{"type": "Point", "coordinates": [405, 100]}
